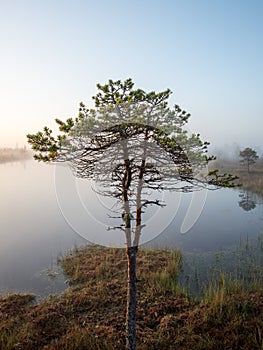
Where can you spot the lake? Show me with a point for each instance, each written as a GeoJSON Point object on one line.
{"type": "Point", "coordinates": [45, 212]}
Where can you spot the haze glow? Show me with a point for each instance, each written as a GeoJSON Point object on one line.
{"type": "Point", "coordinates": [209, 53]}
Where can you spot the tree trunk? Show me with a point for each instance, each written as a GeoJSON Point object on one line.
{"type": "Point", "coordinates": [131, 299]}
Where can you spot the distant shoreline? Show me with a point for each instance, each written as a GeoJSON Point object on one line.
{"type": "Point", "coordinates": [251, 181]}
{"type": "Point", "coordinates": [8, 155]}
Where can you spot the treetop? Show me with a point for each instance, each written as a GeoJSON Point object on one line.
{"type": "Point", "coordinates": [122, 113]}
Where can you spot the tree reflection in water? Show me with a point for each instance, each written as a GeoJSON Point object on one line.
{"type": "Point", "coordinates": [248, 200]}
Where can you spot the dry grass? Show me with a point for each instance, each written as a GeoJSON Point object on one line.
{"type": "Point", "coordinates": [252, 181]}
{"type": "Point", "coordinates": [91, 313]}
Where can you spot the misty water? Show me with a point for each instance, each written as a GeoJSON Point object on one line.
{"type": "Point", "coordinates": [45, 212]}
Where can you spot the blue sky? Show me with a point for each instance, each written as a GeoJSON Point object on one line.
{"type": "Point", "coordinates": [209, 53]}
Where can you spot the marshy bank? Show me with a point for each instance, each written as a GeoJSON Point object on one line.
{"type": "Point", "coordinates": [251, 181]}
{"type": "Point", "coordinates": [91, 313]}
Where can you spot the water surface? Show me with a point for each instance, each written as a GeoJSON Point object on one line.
{"type": "Point", "coordinates": [45, 212]}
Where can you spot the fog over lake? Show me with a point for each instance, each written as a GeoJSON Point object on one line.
{"type": "Point", "coordinates": [45, 212]}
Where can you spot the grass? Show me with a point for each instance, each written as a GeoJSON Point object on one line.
{"type": "Point", "coordinates": [91, 313]}
{"type": "Point", "coordinates": [242, 265]}
{"type": "Point", "coordinates": [252, 181]}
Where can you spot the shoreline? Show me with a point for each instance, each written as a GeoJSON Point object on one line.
{"type": "Point", "coordinates": [90, 314]}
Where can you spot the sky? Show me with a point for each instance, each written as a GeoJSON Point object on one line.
{"type": "Point", "coordinates": [209, 53]}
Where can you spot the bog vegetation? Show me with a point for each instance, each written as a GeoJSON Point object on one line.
{"type": "Point", "coordinates": [252, 180]}
{"type": "Point", "coordinates": [91, 313]}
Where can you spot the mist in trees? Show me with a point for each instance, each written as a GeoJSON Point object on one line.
{"type": "Point", "coordinates": [14, 154]}
{"type": "Point", "coordinates": [248, 157]}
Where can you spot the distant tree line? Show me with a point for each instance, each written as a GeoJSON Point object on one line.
{"type": "Point", "coordinates": [14, 154]}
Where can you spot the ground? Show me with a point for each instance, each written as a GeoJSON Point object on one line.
{"type": "Point", "coordinates": [91, 313]}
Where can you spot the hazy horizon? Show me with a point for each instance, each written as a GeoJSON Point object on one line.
{"type": "Point", "coordinates": [209, 54]}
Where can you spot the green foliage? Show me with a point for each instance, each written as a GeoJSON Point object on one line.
{"type": "Point", "coordinates": [117, 92]}
{"type": "Point", "coordinates": [122, 112]}
{"type": "Point", "coordinates": [45, 144]}
{"type": "Point", "coordinates": [222, 180]}
{"type": "Point", "coordinates": [248, 157]}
